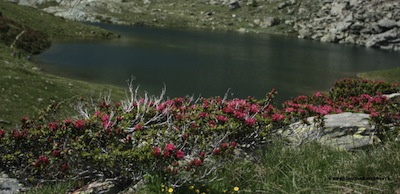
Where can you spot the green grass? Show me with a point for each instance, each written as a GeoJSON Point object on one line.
{"type": "Point", "coordinates": [56, 27]}
{"type": "Point", "coordinates": [389, 75]}
{"type": "Point", "coordinates": [62, 187]}
{"type": "Point", "coordinates": [310, 168]}
{"type": "Point", "coordinates": [25, 89]}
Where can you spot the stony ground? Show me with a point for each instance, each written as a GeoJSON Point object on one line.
{"type": "Point", "coordinates": [373, 23]}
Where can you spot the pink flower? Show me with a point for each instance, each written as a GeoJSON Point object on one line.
{"type": "Point", "coordinates": [254, 109]}
{"type": "Point", "coordinates": [166, 154]}
{"type": "Point", "coordinates": [156, 151]}
{"type": "Point", "coordinates": [97, 113]}
{"type": "Point", "coordinates": [67, 121]}
{"type": "Point", "coordinates": [221, 118]}
{"type": "Point", "coordinates": [193, 125]}
{"type": "Point", "coordinates": [160, 107]}
{"type": "Point", "coordinates": [185, 136]}
{"type": "Point", "coordinates": [169, 147]}
{"type": "Point", "coordinates": [233, 144]}
{"type": "Point", "coordinates": [79, 124]}
{"type": "Point", "coordinates": [203, 115]}
{"type": "Point", "coordinates": [374, 114]}
{"type": "Point", "coordinates": [2, 133]}
{"type": "Point", "coordinates": [196, 162]}
{"type": "Point", "coordinates": [318, 94]}
{"type": "Point", "coordinates": [211, 124]}
{"type": "Point", "coordinates": [228, 110]}
{"type": "Point", "coordinates": [55, 153]}
{"type": "Point", "coordinates": [225, 145]}
{"type": "Point", "coordinates": [178, 101]}
{"type": "Point", "coordinates": [250, 121]}
{"type": "Point", "coordinates": [44, 159]}
{"type": "Point", "coordinates": [216, 151]}
{"type": "Point", "coordinates": [277, 117]}
{"type": "Point", "coordinates": [289, 109]}
{"type": "Point", "coordinates": [202, 154]}
{"type": "Point", "coordinates": [105, 118]}
{"type": "Point", "coordinates": [24, 119]}
{"type": "Point", "coordinates": [118, 104]}
{"type": "Point", "coordinates": [53, 126]}
{"type": "Point", "coordinates": [179, 154]}
{"type": "Point", "coordinates": [239, 115]}
{"type": "Point", "coordinates": [138, 127]}
{"type": "Point", "coordinates": [64, 167]}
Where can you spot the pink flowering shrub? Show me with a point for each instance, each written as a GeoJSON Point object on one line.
{"type": "Point", "coordinates": [382, 110]}
{"type": "Point", "coordinates": [183, 140]}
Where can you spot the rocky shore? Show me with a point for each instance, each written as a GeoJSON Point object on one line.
{"type": "Point", "coordinates": [373, 23]}
{"type": "Point", "coordinates": [370, 23]}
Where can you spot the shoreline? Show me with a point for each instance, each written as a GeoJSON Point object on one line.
{"type": "Point", "coordinates": [336, 21]}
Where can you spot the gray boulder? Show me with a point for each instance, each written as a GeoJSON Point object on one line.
{"type": "Point", "coordinates": [378, 39]}
{"type": "Point", "coordinates": [387, 23]}
{"type": "Point", "coordinates": [268, 22]}
{"type": "Point", "coordinates": [8, 185]}
{"type": "Point", "coordinates": [345, 130]}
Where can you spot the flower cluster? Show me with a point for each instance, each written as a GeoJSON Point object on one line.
{"type": "Point", "coordinates": [185, 140]}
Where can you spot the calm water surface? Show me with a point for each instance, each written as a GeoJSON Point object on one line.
{"type": "Point", "coordinates": [208, 63]}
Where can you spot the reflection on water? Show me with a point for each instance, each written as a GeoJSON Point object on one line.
{"type": "Point", "coordinates": [208, 63]}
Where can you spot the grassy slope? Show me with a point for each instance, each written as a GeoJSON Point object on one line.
{"type": "Point", "coordinates": [56, 27]}
{"type": "Point", "coordinates": [24, 89]}
{"type": "Point", "coordinates": [391, 75]}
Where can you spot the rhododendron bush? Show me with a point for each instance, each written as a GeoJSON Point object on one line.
{"type": "Point", "coordinates": [185, 140]}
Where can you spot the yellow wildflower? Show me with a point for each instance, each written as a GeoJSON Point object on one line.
{"type": "Point", "coordinates": [197, 191]}
{"type": "Point", "coordinates": [191, 187]}
{"type": "Point", "coordinates": [236, 188]}
{"type": "Point", "coordinates": [170, 190]}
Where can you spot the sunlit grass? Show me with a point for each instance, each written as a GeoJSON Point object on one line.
{"type": "Point", "coordinates": [310, 168]}
{"type": "Point", "coordinates": [389, 75]}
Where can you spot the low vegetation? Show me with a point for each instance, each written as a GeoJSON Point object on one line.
{"type": "Point", "coordinates": [58, 134]}
{"type": "Point", "coordinates": [185, 143]}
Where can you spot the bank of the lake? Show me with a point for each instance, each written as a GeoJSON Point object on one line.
{"type": "Point", "coordinates": [24, 88]}
{"type": "Point", "coordinates": [373, 23]}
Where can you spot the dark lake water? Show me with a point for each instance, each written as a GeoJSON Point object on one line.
{"type": "Point", "coordinates": [208, 63]}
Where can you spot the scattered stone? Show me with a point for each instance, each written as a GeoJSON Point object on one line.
{"type": "Point", "coordinates": [387, 23]}
{"type": "Point", "coordinates": [343, 26]}
{"type": "Point", "coordinates": [269, 21]}
{"type": "Point", "coordinates": [98, 187]}
{"type": "Point", "coordinates": [337, 8]}
{"type": "Point", "coordinates": [242, 30]}
{"type": "Point", "coordinates": [8, 185]}
{"type": "Point", "coordinates": [234, 5]}
{"type": "Point", "coordinates": [329, 38]}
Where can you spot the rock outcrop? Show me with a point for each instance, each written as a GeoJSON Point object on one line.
{"type": "Point", "coordinates": [367, 23]}
{"type": "Point", "coordinates": [372, 23]}
{"type": "Point", "coordinates": [345, 130]}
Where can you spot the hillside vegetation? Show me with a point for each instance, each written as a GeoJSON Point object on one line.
{"type": "Point", "coordinates": [25, 89]}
